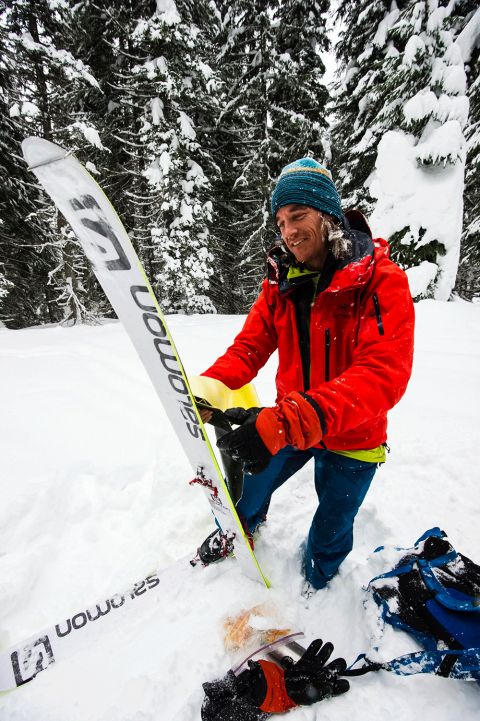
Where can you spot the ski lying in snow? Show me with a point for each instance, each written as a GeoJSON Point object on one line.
{"type": "Point", "coordinates": [106, 243]}
{"type": "Point", "coordinates": [21, 663]}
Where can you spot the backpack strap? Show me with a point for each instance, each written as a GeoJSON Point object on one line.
{"type": "Point", "coordinates": [459, 664]}
{"type": "Point", "coordinates": [417, 562]}
{"type": "Point", "coordinates": [441, 593]}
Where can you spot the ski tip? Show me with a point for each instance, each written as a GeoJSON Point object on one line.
{"type": "Point", "coordinates": [38, 151]}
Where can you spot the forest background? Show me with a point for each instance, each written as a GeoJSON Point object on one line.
{"type": "Point", "coordinates": [185, 112]}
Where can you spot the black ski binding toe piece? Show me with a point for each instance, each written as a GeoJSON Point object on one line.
{"type": "Point", "coordinates": [215, 547]}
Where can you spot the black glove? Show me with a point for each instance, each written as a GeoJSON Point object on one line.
{"type": "Point", "coordinates": [310, 680]}
{"type": "Point", "coordinates": [229, 699]}
{"type": "Point", "coordinates": [244, 443]}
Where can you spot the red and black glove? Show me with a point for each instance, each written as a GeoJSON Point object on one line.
{"type": "Point", "coordinates": [294, 421]}
{"type": "Point", "coordinates": [303, 683]}
{"type": "Point", "coordinates": [265, 688]}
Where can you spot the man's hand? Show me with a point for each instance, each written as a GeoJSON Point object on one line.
{"type": "Point", "coordinates": [245, 443]}
{"type": "Point", "coordinates": [205, 414]}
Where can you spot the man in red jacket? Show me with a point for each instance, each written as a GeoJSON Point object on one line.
{"type": "Point", "coordinates": [341, 315]}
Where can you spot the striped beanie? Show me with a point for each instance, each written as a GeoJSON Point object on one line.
{"type": "Point", "coordinates": [307, 182]}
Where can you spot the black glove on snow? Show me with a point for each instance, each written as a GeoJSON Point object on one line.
{"type": "Point", "coordinates": [310, 680]}
{"type": "Point", "coordinates": [264, 688]}
{"type": "Point", "coordinates": [229, 699]}
{"type": "Point", "coordinates": [244, 443]}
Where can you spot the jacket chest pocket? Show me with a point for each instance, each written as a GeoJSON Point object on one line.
{"type": "Point", "coordinates": [378, 314]}
{"type": "Point", "coordinates": [336, 331]}
{"type": "Point", "coordinates": [327, 354]}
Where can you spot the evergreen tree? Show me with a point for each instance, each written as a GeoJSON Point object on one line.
{"type": "Point", "coordinates": [23, 269]}
{"type": "Point", "coordinates": [273, 112]}
{"type": "Point", "coordinates": [172, 82]}
{"type": "Point", "coordinates": [358, 95]}
{"type": "Point", "coordinates": [159, 92]}
{"type": "Point", "coordinates": [244, 59]}
{"type": "Point", "coordinates": [298, 95]}
{"type": "Point", "coordinates": [468, 279]}
{"type": "Point", "coordinates": [46, 98]}
{"type": "Point", "coordinates": [411, 79]}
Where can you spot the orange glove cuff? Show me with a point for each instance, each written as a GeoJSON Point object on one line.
{"type": "Point", "coordinates": [292, 422]}
{"type": "Point", "coordinates": [271, 430]}
{"type": "Point", "coordinates": [277, 699]}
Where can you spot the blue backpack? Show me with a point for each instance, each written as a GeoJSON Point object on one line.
{"type": "Point", "coordinates": [433, 593]}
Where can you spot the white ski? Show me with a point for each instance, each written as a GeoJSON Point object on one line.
{"type": "Point", "coordinates": [115, 263]}
{"type": "Point", "coordinates": [22, 662]}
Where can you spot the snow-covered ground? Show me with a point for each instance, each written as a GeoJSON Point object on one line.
{"type": "Point", "coordinates": [94, 496]}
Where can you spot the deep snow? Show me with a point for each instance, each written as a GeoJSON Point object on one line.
{"type": "Point", "coordinates": [95, 496]}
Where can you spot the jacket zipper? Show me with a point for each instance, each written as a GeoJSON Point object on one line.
{"type": "Point", "coordinates": [327, 354]}
{"type": "Point", "coordinates": [376, 305]}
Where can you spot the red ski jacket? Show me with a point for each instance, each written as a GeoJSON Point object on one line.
{"type": "Point", "coordinates": [361, 350]}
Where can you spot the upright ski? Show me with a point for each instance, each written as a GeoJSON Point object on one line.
{"type": "Point", "coordinates": [115, 263]}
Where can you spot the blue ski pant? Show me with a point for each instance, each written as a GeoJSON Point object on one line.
{"type": "Point", "coordinates": [341, 484]}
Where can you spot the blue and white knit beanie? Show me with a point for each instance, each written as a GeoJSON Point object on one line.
{"type": "Point", "coordinates": [307, 182]}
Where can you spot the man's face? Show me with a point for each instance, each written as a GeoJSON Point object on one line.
{"type": "Point", "coordinates": [304, 233]}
